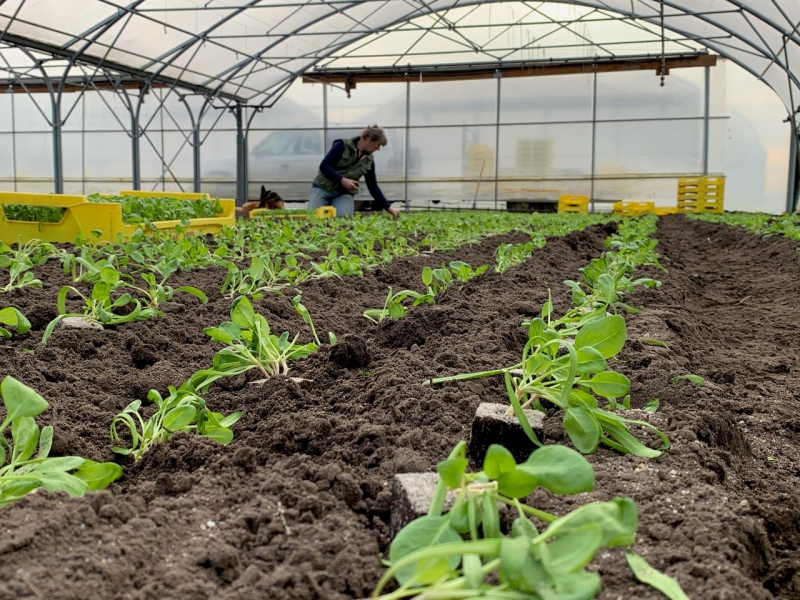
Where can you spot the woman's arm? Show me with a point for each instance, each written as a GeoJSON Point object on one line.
{"type": "Point", "coordinates": [328, 164]}
{"type": "Point", "coordinates": [374, 190]}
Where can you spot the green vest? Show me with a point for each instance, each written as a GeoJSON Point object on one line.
{"type": "Point", "coordinates": [349, 166]}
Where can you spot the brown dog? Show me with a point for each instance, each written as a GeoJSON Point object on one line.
{"type": "Point", "coordinates": [269, 200]}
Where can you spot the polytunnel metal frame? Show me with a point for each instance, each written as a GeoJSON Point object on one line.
{"type": "Point", "coordinates": [89, 52]}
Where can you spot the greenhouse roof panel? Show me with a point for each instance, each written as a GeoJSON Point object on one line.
{"type": "Point", "coordinates": [247, 49]}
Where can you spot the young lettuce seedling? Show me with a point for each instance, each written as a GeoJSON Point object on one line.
{"type": "Point", "coordinates": [454, 555]}
{"type": "Point", "coordinates": [20, 473]}
{"type": "Point", "coordinates": [100, 307]}
{"type": "Point", "coordinates": [250, 345]}
{"type": "Point", "coordinates": [182, 410]}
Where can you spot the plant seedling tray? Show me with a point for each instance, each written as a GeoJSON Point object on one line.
{"type": "Point", "coordinates": [323, 212]}
{"type": "Point", "coordinates": [98, 221]}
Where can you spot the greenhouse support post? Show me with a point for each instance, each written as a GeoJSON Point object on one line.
{"type": "Point", "coordinates": [241, 156]}
{"type": "Point", "coordinates": [594, 136]}
{"type": "Point", "coordinates": [408, 146]}
{"type": "Point", "coordinates": [135, 162]}
{"type": "Point", "coordinates": [791, 187]}
{"type": "Point", "coordinates": [58, 149]}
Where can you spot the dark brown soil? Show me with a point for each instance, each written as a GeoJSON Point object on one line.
{"type": "Point", "coordinates": [297, 506]}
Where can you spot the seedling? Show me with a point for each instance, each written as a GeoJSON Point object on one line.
{"type": "Point", "coordinates": [303, 312]}
{"type": "Point", "coordinates": [20, 473]}
{"type": "Point", "coordinates": [20, 262]}
{"type": "Point", "coordinates": [695, 379]}
{"type": "Point", "coordinates": [453, 555]}
{"type": "Point", "coordinates": [250, 345]}
{"type": "Point", "coordinates": [13, 318]}
{"type": "Point", "coordinates": [99, 307]}
{"type": "Point", "coordinates": [183, 410]}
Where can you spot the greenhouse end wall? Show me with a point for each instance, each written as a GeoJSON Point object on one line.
{"type": "Point", "coordinates": [611, 136]}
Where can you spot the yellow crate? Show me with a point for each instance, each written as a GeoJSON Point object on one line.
{"type": "Point", "coordinates": [573, 204]}
{"type": "Point", "coordinates": [634, 209]}
{"type": "Point", "coordinates": [82, 217]}
{"type": "Point", "coordinates": [666, 210]}
{"type": "Point", "coordinates": [701, 194]}
{"type": "Point", "coordinates": [323, 212]}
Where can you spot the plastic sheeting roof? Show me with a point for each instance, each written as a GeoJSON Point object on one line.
{"type": "Point", "coordinates": [249, 49]}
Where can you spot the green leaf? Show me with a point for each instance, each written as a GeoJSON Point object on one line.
{"type": "Point", "coordinates": [197, 293]}
{"type": "Point", "coordinates": [573, 551]}
{"type": "Point", "coordinates": [651, 406]}
{"type": "Point", "coordinates": [223, 435]}
{"type": "Point", "coordinates": [180, 417]}
{"type": "Point", "coordinates": [25, 434]}
{"type": "Point", "coordinates": [452, 471]}
{"type": "Point", "coordinates": [12, 317]}
{"type": "Point", "coordinates": [517, 565]}
{"type": "Point", "coordinates": [695, 379]}
{"type": "Point", "coordinates": [652, 342]}
{"type": "Point", "coordinates": [98, 476]}
{"type": "Point", "coordinates": [20, 400]}
{"type": "Point", "coordinates": [619, 432]}
{"type": "Point", "coordinates": [610, 383]}
{"type": "Point", "coordinates": [45, 442]}
{"type": "Point", "coordinates": [473, 575]}
{"type": "Point", "coordinates": [590, 360]}
{"type": "Point", "coordinates": [617, 520]}
{"type": "Point", "coordinates": [242, 313]}
{"type": "Point", "coordinates": [490, 522]}
{"type": "Point", "coordinates": [560, 469]}
{"type": "Point", "coordinates": [101, 291]}
{"type": "Point", "coordinates": [498, 460]}
{"type": "Point", "coordinates": [518, 483]}
{"type": "Point", "coordinates": [582, 428]}
{"type": "Point", "coordinates": [109, 275]}
{"type": "Point", "coordinates": [427, 276]}
{"type": "Point", "coordinates": [423, 533]}
{"type": "Point", "coordinates": [652, 577]}
{"type": "Point", "coordinates": [218, 334]}
{"type": "Point", "coordinates": [58, 481]}
{"type": "Point", "coordinates": [582, 585]}
{"type": "Point", "coordinates": [606, 335]}
{"type": "Point", "coordinates": [607, 288]}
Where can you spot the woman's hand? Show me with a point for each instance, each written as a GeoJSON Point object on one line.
{"type": "Point", "coordinates": [349, 184]}
{"type": "Point", "coordinates": [395, 212]}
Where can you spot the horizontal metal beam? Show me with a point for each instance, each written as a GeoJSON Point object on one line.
{"type": "Point", "coordinates": [31, 85]}
{"type": "Point", "coordinates": [114, 66]}
{"type": "Point", "coordinates": [350, 77]}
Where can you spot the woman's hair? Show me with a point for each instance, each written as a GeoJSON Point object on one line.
{"type": "Point", "coordinates": [374, 133]}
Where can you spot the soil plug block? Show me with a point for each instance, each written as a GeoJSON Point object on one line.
{"type": "Point", "coordinates": [79, 323]}
{"type": "Point", "coordinates": [412, 494]}
{"type": "Point", "coordinates": [491, 425]}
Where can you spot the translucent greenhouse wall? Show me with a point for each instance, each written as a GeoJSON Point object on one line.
{"type": "Point", "coordinates": [614, 136]}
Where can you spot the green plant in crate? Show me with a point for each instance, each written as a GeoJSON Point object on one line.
{"type": "Point", "coordinates": [11, 317]}
{"type": "Point", "coordinates": [249, 345]}
{"type": "Point", "coordinates": [100, 306]}
{"type": "Point", "coordinates": [32, 212]}
{"type": "Point", "coordinates": [20, 473]}
{"type": "Point", "coordinates": [183, 410]}
{"type": "Point", "coordinates": [463, 554]}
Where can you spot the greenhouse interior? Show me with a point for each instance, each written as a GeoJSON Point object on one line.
{"type": "Point", "coordinates": [426, 299]}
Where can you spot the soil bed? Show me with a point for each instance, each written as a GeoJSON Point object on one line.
{"type": "Point", "coordinates": [297, 506]}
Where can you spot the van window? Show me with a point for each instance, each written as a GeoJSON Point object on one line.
{"type": "Point", "coordinates": [310, 145]}
{"type": "Point", "coordinates": [277, 143]}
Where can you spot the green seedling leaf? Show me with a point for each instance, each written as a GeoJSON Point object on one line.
{"type": "Point", "coordinates": [242, 313]}
{"type": "Point", "coordinates": [617, 520]}
{"type": "Point", "coordinates": [452, 471]}
{"type": "Point", "coordinates": [610, 383]}
{"type": "Point", "coordinates": [616, 429]}
{"type": "Point", "coordinates": [98, 476]}
{"type": "Point", "coordinates": [197, 293]}
{"type": "Point", "coordinates": [222, 435]}
{"type": "Point", "coordinates": [109, 275]}
{"type": "Point", "coordinates": [490, 521]}
{"type": "Point", "coordinates": [653, 342]}
{"type": "Point", "coordinates": [590, 360]}
{"type": "Point", "coordinates": [471, 566]}
{"type": "Point", "coordinates": [20, 400]}
{"type": "Point", "coordinates": [422, 533]}
{"type": "Point", "coordinates": [560, 469]}
{"type": "Point", "coordinates": [651, 406]}
{"type": "Point", "coordinates": [518, 483]}
{"type": "Point", "coordinates": [573, 551]}
{"type": "Point", "coordinates": [45, 442]}
{"type": "Point", "coordinates": [12, 317]}
{"type": "Point", "coordinates": [695, 379]}
{"type": "Point", "coordinates": [652, 577]}
{"type": "Point", "coordinates": [497, 461]}
{"type": "Point", "coordinates": [25, 435]}
{"type": "Point", "coordinates": [180, 417]}
{"type": "Point", "coordinates": [58, 481]}
{"type": "Point", "coordinates": [606, 335]}
{"type": "Point", "coordinates": [582, 428]}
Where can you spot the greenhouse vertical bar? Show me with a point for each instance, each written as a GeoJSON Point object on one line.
{"type": "Point", "coordinates": [241, 155]}
{"type": "Point", "coordinates": [58, 150]}
{"type": "Point", "coordinates": [499, 77]}
{"type": "Point", "coordinates": [594, 137]}
{"type": "Point", "coordinates": [135, 158]}
{"type": "Point", "coordinates": [706, 116]}
{"type": "Point", "coordinates": [408, 146]}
